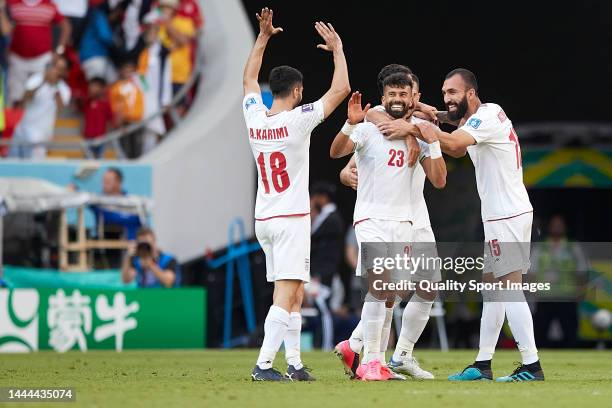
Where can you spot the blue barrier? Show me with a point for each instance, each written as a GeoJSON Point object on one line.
{"type": "Point", "coordinates": [237, 255]}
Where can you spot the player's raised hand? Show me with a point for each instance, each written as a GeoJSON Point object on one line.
{"type": "Point", "coordinates": [426, 112]}
{"type": "Point", "coordinates": [329, 35]}
{"type": "Point", "coordinates": [395, 129]}
{"type": "Point", "coordinates": [265, 23]}
{"type": "Point", "coordinates": [356, 113]}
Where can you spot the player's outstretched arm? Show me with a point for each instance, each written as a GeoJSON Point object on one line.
{"type": "Point", "coordinates": [435, 170]}
{"type": "Point", "coordinates": [348, 175]}
{"type": "Point", "coordinates": [426, 112]}
{"type": "Point", "coordinates": [454, 144]}
{"type": "Point", "coordinates": [444, 118]}
{"type": "Point", "coordinates": [434, 165]}
{"type": "Point", "coordinates": [253, 65]}
{"type": "Point", "coordinates": [342, 144]}
{"type": "Point", "coordinates": [340, 85]}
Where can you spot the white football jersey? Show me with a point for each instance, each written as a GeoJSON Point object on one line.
{"type": "Point", "coordinates": [385, 180]}
{"type": "Point", "coordinates": [497, 161]}
{"type": "Point", "coordinates": [280, 145]}
{"type": "Point", "coordinates": [420, 213]}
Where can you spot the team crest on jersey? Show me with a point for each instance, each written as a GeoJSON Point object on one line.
{"type": "Point", "coordinates": [307, 108]}
{"type": "Point", "coordinates": [474, 123]}
{"type": "Point", "coordinates": [502, 116]}
{"type": "Point", "coordinates": [250, 102]}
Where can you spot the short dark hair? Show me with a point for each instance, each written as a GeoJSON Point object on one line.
{"type": "Point", "coordinates": [323, 188]}
{"type": "Point", "coordinates": [468, 77]}
{"type": "Point", "coordinates": [283, 79]}
{"type": "Point", "coordinates": [415, 80]}
{"type": "Point", "coordinates": [144, 231]}
{"type": "Point", "coordinates": [390, 70]}
{"type": "Point", "coordinates": [118, 173]}
{"type": "Point", "coordinates": [98, 80]}
{"type": "Point", "coordinates": [399, 80]}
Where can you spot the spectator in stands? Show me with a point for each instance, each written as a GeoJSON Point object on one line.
{"type": "Point", "coordinates": [150, 266]}
{"type": "Point", "coordinates": [177, 33]}
{"type": "Point", "coordinates": [562, 263]}
{"type": "Point", "coordinates": [191, 10]}
{"type": "Point", "coordinates": [5, 30]}
{"type": "Point", "coordinates": [31, 41]}
{"type": "Point", "coordinates": [112, 223]}
{"type": "Point", "coordinates": [131, 25]}
{"type": "Point", "coordinates": [45, 95]}
{"type": "Point", "coordinates": [97, 43]}
{"type": "Point", "coordinates": [97, 113]}
{"type": "Point", "coordinates": [125, 224]}
{"type": "Point", "coordinates": [112, 182]}
{"type": "Point", "coordinates": [76, 12]}
{"type": "Point", "coordinates": [127, 105]}
{"type": "Point", "coordinates": [155, 66]}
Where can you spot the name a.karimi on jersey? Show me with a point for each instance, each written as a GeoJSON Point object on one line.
{"type": "Point", "coordinates": [269, 134]}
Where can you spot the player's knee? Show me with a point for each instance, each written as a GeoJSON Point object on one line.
{"type": "Point", "coordinates": [287, 293]}
{"type": "Point", "coordinates": [299, 297]}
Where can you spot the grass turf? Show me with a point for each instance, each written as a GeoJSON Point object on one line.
{"type": "Point", "coordinates": [221, 379]}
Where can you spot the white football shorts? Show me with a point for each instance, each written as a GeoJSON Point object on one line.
{"type": "Point", "coordinates": [508, 245]}
{"type": "Point", "coordinates": [286, 243]}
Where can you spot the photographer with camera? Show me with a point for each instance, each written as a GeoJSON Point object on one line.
{"type": "Point", "coordinates": [146, 263]}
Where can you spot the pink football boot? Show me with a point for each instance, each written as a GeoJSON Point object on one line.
{"type": "Point", "coordinates": [349, 359]}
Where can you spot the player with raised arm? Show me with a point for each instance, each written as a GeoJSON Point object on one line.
{"type": "Point", "coordinates": [280, 141]}
{"type": "Point", "coordinates": [487, 135]}
{"type": "Point", "coordinates": [416, 314]}
{"type": "Point", "coordinates": [383, 210]}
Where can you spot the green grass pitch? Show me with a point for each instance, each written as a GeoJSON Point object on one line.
{"type": "Point", "coordinates": [221, 379]}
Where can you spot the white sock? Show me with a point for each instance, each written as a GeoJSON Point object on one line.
{"type": "Point", "coordinates": [521, 325]}
{"type": "Point", "coordinates": [414, 320]}
{"type": "Point", "coordinates": [373, 318]}
{"type": "Point", "coordinates": [275, 328]}
{"type": "Point", "coordinates": [386, 331]}
{"type": "Point", "coordinates": [292, 340]}
{"type": "Point", "coordinates": [491, 322]}
{"type": "Point", "coordinates": [356, 339]}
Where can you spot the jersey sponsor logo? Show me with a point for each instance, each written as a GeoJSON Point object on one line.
{"type": "Point", "coordinates": [502, 116]}
{"type": "Point", "coordinates": [249, 102]}
{"type": "Point", "coordinates": [474, 123]}
{"type": "Point", "coordinates": [307, 108]}
{"type": "Point", "coordinates": [268, 134]}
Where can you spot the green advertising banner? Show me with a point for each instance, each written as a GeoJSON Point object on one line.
{"type": "Point", "coordinates": [73, 319]}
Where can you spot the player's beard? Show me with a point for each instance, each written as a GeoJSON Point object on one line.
{"type": "Point", "coordinates": [462, 108]}
{"type": "Point", "coordinates": [394, 113]}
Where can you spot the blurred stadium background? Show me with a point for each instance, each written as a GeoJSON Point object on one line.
{"type": "Point", "coordinates": [183, 167]}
